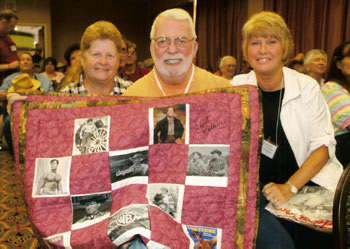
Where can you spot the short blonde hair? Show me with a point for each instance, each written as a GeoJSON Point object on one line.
{"type": "Point", "coordinates": [265, 24]}
{"type": "Point", "coordinates": [174, 14]}
{"type": "Point", "coordinates": [101, 30]}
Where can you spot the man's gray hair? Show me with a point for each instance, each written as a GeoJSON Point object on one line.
{"type": "Point", "coordinates": [222, 60]}
{"type": "Point", "coordinates": [174, 14]}
{"type": "Point", "coordinates": [311, 53]}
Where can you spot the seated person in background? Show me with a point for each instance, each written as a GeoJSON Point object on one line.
{"type": "Point", "coordinates": [131, 71]}
{"type": "Point", "coordinates": [297, 66]}
{"type": "Point", "coordinates": [37, 68]}
{"type": "Point", "coordinates": [73, 70]}
{"type": "Point", "coordinates": [50, 65]}
{"type": "Point", "coordinates": [228, 67]}
{"type": "Point", "coordinates": [37, 57]}
{"type": "Point", "coordinates": [26, 66]}
{"type": "Point", "coordinates": [299, 57]}
{"type": "Point", "coordinates": [139, 64]}
{"type": "Point", "coordinates": [337, 94]}
{"type": "Point", "coordinates": [123, 56]}
{"type": "Point", "coordinates": [61, 67]}
{"type": "Point", "coordinates": [100, 46]}
{"type": "Point", "coordinates": [148, 63]}
{"type": "Point", "coordinates": [245, 68]}
{"type": "Point", "coordinates": [71, 55]}
{"type": "Point", "coordinates": [315, 64]}
{"type": "Point", "coordinates": [173, 48]}
{"type": "Point", "coordinates": [299, 145]}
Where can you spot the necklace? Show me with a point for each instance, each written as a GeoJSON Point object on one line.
{"type": "Point", "coordinates": [161, 88]}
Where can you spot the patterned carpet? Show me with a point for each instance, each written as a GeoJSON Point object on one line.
{"type": "Point", "coordinates": [15, 229]}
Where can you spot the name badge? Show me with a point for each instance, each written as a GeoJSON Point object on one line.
{"type": "Point", "coordinates": [13, 48]}
{"type": "Point", "coordinates": [268, 149]}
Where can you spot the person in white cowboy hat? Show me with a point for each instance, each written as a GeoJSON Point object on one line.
{"type": "Point", "coordinates": [24, 81]}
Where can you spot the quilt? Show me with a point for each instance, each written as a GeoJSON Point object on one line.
{"type": "Point", "coordinates": [179, 172]}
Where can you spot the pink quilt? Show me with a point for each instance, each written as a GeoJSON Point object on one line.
{"type": "Point", "coordinates": [179, 172]}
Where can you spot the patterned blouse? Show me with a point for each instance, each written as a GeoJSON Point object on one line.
{"type": "Point", "coordinates": [120, 86]}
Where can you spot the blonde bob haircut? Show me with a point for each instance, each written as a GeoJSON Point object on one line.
{"type": "Point", "coordinates": [268, 24]}
{"type": "Point", "coordinates": [174, 14]}
{"type": "Point", "coordinates": [101, 30]}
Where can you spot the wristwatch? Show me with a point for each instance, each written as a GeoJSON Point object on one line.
{"type": "Point", "coordinates": [292, 188]}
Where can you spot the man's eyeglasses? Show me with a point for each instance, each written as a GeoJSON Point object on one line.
{"type": "Point", "coordinates": [180, 42]}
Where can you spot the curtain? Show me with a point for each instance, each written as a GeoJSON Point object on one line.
{"type": "Point", "coordinates": [219, 24]}
{"type": "Point", "coordinates": [322, 24]}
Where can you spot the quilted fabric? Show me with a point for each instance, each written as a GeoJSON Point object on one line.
{"type": "Point", "coordinates": [161, 201]}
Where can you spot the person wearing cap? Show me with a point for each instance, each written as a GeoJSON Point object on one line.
{"type": "Point", "coordinates": [24, 81]}
{"type": "Point", "coordinates": [217, 166]}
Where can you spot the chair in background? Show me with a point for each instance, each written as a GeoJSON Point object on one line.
{"type": "Point", "coordinates": [341, 212]}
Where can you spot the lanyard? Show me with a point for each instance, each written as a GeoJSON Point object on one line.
{"type": "Point", "coordinates": [278, 112]}
{"type": "Point", "coordinates": [161, 88]}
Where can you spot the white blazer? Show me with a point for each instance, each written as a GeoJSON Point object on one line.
{"type": "Point", "coordinates": [306, 121]}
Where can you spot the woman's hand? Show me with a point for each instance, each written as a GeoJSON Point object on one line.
{"type": "Point", "coordinates": [11, 98]}
{"type": "Point", "coordinates": [278, 194]}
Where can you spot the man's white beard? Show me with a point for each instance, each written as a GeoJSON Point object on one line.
{"type": "Point", "coordinates": [165, 71]}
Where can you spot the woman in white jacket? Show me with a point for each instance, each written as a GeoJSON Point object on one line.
{"type": "Point", "coordinates": [298, 146]}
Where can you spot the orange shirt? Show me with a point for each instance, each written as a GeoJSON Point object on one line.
{"type": "Point", "coordinates": [202, 80]}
